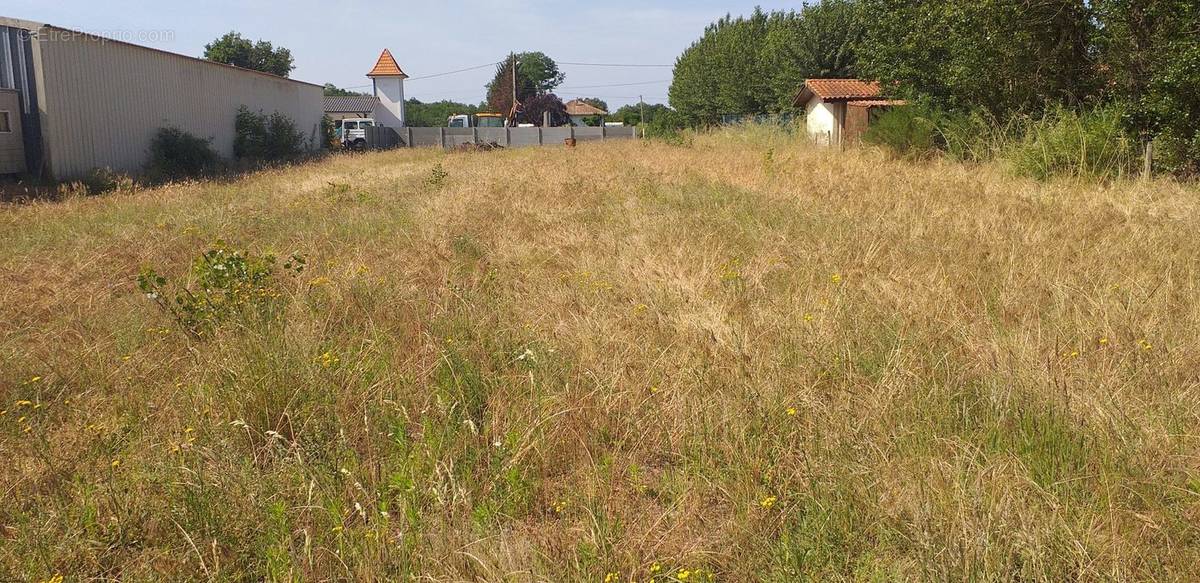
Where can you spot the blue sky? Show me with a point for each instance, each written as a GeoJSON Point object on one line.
{"type": "Point", "coordinates": [338, 42]}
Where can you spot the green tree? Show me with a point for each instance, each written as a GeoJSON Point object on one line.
{"type": "Point", "coordinates": [332, 90]}
{"type": "Point", "coordinates": [821, 41]}
{"type": "Point", "coordinates": [540, 70]}
{"type": "Point", "coordinates": [755, 64]}
{"type": "Point", "coordinates": [1005, 56]}
{"type": "Point", "coordinates": [631, 115]}
{"type": "Point", "coordinates": [234, 49]}
{"type": "Point", "coordinates": [1150, 56]}
{"type": "Point", "coordinates": [500, 89]}
{"type": "Point", "coordinates": [435, 114]}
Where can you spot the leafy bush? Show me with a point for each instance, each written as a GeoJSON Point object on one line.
{"type": "Point", "coordinates": [328, 133]}
{"type": "Point", "coordinates": [978, 136]}
{"type": "Point", "coordinates": [176, 154]}
{"type": "Point", "coordinates": [266, 138]}
{"type": "Point", "coordinates": [226, 284]}
{"type": "Point", "coordinates": [102, 180]}
{"type": "Point", "coordinates": [911, 131]}
{"type": "Point", "coordinates": [1069, 143]}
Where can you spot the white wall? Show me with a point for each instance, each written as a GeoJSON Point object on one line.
{"type": "Point", "coordinates": [822, 119]}
{"type": "Point", "coordinates": [102, 101]}
{"type": "Point", "coordinates": [390, 111]}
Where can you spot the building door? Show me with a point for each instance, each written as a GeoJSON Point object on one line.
{"type": "Point", "coordinates": [12, 142]}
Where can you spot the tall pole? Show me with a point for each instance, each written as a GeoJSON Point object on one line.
{"type": "Point", "coordinates": [642, 114]}
{"type": "Point", "coordinates": [513, 113]}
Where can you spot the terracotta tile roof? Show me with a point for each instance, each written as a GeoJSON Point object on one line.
{"type": "Point", "coordinates": [837, 90]}
{"type": "Point", "coordinates": [875, 102]}
{"type": "Point", "coordinates": [581, 107]}
{"type": "Point", "coordinates": [350, 103]}
{"type": "Point", "coordinates": [386, 67]}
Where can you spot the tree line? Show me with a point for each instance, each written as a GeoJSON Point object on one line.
{"type": "Point", "coordinates": [1000, 58]}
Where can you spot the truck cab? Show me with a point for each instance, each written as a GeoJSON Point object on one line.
{"type": "Point", "coordinates": [479, 120]}
{"type": "Point", "coordinates": [352, 132]}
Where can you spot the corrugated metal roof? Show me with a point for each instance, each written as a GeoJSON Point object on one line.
{"type": "Point", "coordinates": [41, 27]}
{"type": "Point", "coordinates": [350, 103]}
{"type": "Point", "coordinates": [386, 67]}
{"type": "Point", "coordinates": [581, 107]}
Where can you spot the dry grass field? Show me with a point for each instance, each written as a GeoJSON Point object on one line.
{"type": "Point", "coordinates": [736, 358]}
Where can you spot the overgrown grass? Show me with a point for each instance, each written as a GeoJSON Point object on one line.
{"type": "Point", "coordinates": [736, 357]}
{"type": "Point", "coordinates": [1091, 144]}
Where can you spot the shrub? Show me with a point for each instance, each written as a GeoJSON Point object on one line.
{"type": "Point", "coordinates": [1070, 143]}
{"type": "Point", "coordinates": [266, 138]}
{"type": "Point", "coordinates": [102, 180]}
{"type": "Point", "coordinates": [978, 136]}
{"type": "Point", "coordinates": [328, 133]}
{"type": "Point", "coordinates": [227, 283]}
{"type": "Point", "coordinates": [176, 154]}
{"type": "Point", "coordinates": [910, 131]}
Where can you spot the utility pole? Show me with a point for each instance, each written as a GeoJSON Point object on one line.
{"type": "Point", "coordinates": [513, 113]}
{"type": "Point", "coordinates": [642, 114]}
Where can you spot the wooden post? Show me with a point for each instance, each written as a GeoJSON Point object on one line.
{"type": "Point", "coordinates": [409, 143]}
{"type": "Point", "coordinates": [474, 135]}
{"type": "Point", "coordinates": [442, 137]}
{"type": "Point", "coordinates": [1148, 160]}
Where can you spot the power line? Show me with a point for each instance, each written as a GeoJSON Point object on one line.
{"type": "Point", "coordinates": [615, 85]}
{"type": "Point", "coordinates": [455, 71]}
{"type": "Point", "coordinates": [611, 64]}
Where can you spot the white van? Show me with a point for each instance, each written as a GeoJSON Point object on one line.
{"type": "Point", "coordinates": [352, 132]}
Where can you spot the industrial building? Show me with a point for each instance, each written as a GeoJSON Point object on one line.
{"type": "Point", "coordinates": [87, 102]}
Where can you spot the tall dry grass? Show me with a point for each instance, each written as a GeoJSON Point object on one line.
{"type": "Point", "coordinates": [738, 358]}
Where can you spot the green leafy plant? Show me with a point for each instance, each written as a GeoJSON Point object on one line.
{"type": "Point", "coordinates": [1069, 143]}
{"type": "Point", "coordinates": [266, 138]}
{"type": "Point", "coordinates": [102, 180]}
{"type": "Point", "coordinates": [437, 177]}
{"type": "Point", "coordinates": [910, 131]}
{"type": "Point", "coordinates": [176, 154]}
{"type": "Point", "coordinates": [225, 284]}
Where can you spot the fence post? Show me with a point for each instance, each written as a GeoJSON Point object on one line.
{"type": "Point", "coordinates": [408, 143]}
{"type": "Point", "coordinates": [442, 137]}
{"type": "Point", "coordinates": [1148, 160]}
{"type": "Point", "coordinates": [507, 138]}
{"type": "Point", "coordinates": [541, 138]}
{"type": "Point", "coordinates": [603, 133]}
{"type": "Point", "coordinates": [474, 135]}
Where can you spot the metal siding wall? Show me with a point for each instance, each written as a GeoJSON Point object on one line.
{"type": "Point", "coordinates": [12, 148]}
{"type": "Point", "coordinates": [105, 101]}
{"type": "Point", "coordinates": [16, 72]}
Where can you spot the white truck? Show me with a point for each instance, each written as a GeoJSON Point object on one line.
{"type": "Point", "coordinates": [479, 120]}
{"type": "Point", "coordinates": [352, 133]}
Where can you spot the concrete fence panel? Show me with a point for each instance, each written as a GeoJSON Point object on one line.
{"type": "Point", "coordinates": [510, 137]}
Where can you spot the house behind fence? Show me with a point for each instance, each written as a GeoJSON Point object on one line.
{"type": "Point", "coordinates": [90, 102]}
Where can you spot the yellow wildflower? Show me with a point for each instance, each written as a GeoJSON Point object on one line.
{"type": "Point", "coordinates": [24, 403]}
{"type": "Point", "coordinates": [57, 578]}
{"type": "Point", "coordinates": [791, 411]}
{"type": "Point", "coordinates": [1103, 341]}
{"type": "Point", "coordinates": [35, 379]}
{"type": "Point", "coordinates": [836, 278]}
{"type": "Point", "coordinates": [612, 578]}
{"type": "Point", "coordinates": [683, 574]}
{"type": "Point", "coordinates": [767, 502]}
{"type": "Point", "coordinates": [115, 463]}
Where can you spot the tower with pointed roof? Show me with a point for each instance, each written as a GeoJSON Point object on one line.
{"type": "Point", "coordinates": [388, 82]}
